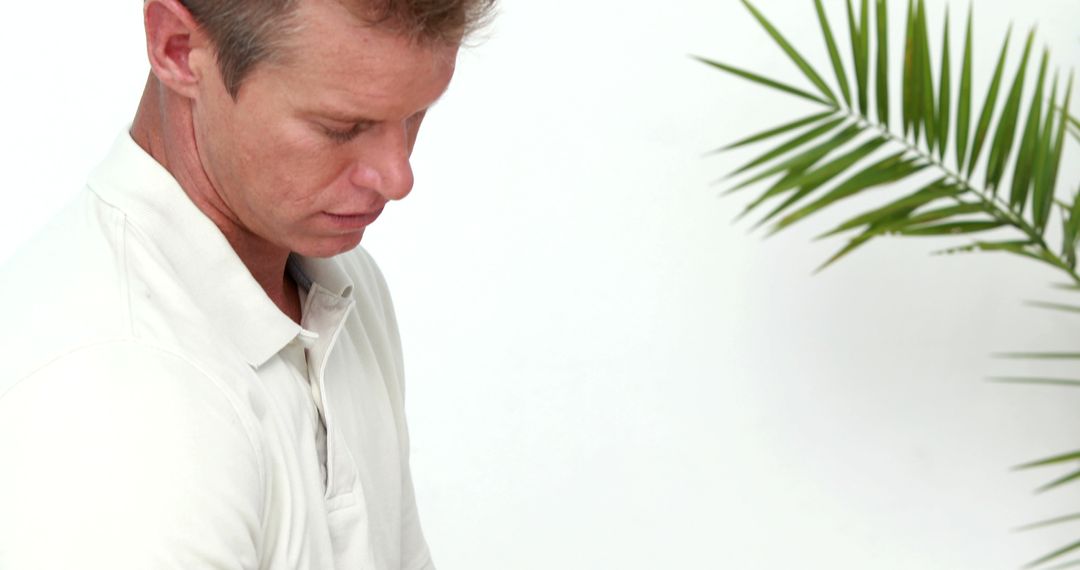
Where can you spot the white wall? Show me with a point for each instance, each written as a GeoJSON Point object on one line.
{"type": "Point", "coordinates": [605, 372]}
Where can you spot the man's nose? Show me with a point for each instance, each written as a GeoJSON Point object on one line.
{"type": "Point", "coordinates": [383, 165]}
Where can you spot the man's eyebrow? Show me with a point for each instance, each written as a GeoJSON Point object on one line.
{"type": "Point", "coordinates": [348, 117]}
{"type": "Point", "coordinates": [344, 117]}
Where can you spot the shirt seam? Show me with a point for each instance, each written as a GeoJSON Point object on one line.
{"type": "Point", "coordinates": [128, 226]}
{"type": "Point", "coordinates": [125, 281]}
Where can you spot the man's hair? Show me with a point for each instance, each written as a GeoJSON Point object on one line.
{"type": "Point", "coordinates": [248, 32]}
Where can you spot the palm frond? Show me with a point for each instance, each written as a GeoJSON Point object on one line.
{"type": "Point", "coordinates": [1049, 522]}
{"type": "Point", "coordinates": [810, 181]}
{"type": "Point", "coordinates": [1054, 306]}
{"type": "Point", "coordinates": [768, 134]}
{"type": "Point", "coordinates": [1055, 555]}
{"type": "Point", "coordinates": [1072, 383]}
{"type": "Point", "coordinates": [925, 92]}
{"type": "Point", "coordinates": [1071, 232]}
{"type": "Point", "coordinates": [804, 159]}
{"type": "Point", "coordinates": [890, 169]}
{"type": "Point", "coordinates": [963, 102]}
{"type": "Point", "coordinates": [983, 126]}
{"type": "Point", "coordinates": [1015, 142]}
{"type": "Point", "coordinates": [882, 84]}
{"type": "Point", "coordinates": [860, 49]}
{"type": "Point", "coordinates": [790, 145]}
{"type": "Point", "coordinates": [1043, 197]}
{"type": "Point", "coordinates": [1040, 355]}
{"type": "Point", "coordinates": [936, 190]}
{"type": "Point", "coordinates": [944, 100]}
{"type": "Point", "coordinates": [1006, 130]}
{"type": "Point", "coordinates": [761, 79]}
{"type": "Point", "coordinates": [834, 53]}
{"type": "Point", "coordinates": [807, 69]}
{"type": "Point", "coordinates": [1021, 182]}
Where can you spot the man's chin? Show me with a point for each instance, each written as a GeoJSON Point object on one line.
{"type": "Point", "coordinates": [329, 246]}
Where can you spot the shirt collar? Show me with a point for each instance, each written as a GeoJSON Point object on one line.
{"type": "Point", "coordinates": [201, 259]}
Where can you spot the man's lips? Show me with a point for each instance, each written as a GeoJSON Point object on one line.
{"type": "Point", "coordinates": [353, 220]}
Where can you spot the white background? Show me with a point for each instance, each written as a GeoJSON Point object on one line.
{"type": "Point", "coordinates": [604, 371]}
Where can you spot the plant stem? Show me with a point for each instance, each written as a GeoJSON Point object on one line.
{"type": "Point", "coordinates": [995, 206]}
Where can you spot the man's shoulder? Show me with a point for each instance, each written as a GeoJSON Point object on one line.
{"type": "Point", "coordinates": [64, 287]}
{"type": "Point", "coordinates": [88, 282]}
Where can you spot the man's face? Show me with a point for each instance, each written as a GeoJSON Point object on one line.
{"type": "Point", "coordinates": [314, 147]}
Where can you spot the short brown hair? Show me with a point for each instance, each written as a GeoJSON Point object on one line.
{"type": "Point", "coordinates": [248, 32]}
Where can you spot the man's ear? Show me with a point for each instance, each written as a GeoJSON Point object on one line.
{"type": "Point", "coordinates": [178, 49]}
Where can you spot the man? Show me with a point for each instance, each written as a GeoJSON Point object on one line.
{"type": "Point", "coordinates": [200, 371]}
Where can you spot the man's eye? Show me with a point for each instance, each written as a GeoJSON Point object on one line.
{"type": "Point", "coordinates": [339, 135]}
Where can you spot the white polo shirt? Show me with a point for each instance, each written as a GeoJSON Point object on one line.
{"type": "Point", "coordinates": [157, 410]}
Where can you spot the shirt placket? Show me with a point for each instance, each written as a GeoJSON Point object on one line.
{"type": "Point", "coordinates": [326, 318]}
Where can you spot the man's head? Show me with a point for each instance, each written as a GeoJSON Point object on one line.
{"type": "Point", "coordinates": [248, 32]}
{"type": "Point", "coordinates": [291, 122]}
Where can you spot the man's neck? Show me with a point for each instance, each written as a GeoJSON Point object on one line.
{"type": "Point", "coordinates": [163, 128]}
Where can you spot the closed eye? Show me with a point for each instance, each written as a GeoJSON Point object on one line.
{"type": "Point", "coordinates": [343, 136]}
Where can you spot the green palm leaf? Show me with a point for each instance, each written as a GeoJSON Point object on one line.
{"type": "Point", "coordinates": [1041, 355]}
{"type": "Point", "coordinates": [1006, 131]}
{"type": "Point", "coordinates": [760, 79]}
{"type": "Point", "coordinates": [1059, 146]}
{"type": "Point", "coordinates": [1071, 232]}
{"type": "Point", "coordinates": [852, 245]}
{"type": "Point", "coordinates": [952, 228]}
{"type": "Point", "coordinates": [800, 62]}
{"type": "Point", "coordinates": [1064, 565]}
{"type": "Point", "coordinates": [1043, 381]}
{"type": "Point", "coordinates": [1055, 306]}
{"type": "Point", "coordinates": [1054, 460]}
{"type": "Point", "coordinates": [860, 51]}
{"type": "Point", "coordinates": [936, 190]}
{"type": "Point", "coordinates": [945, 96]}
{"type": "Point", "coordinates": [1074, 476]}
{"type": "Point", "coordinates": [963, 102]}
{"type": "Point", "coordinates": [925, 92]}
{"type": "Point", "coordinates": [810, 181]}
{"type": "Point", "coordinates": [790, 145]}
{"type": "Point", "coordinates": [882, 86]}
{"type": "Point", "coordinates": [911, 74]}
{"type": "Point", "coordinates": [1055, 555]}
{"type": "Point", "coordinates": [1043, 192]}
{"type": "Point", "coordinates": [1022, 171]}
{"type": "Point", "coordinates": [988, 106]}
{"type": "Point", "coordinates": [805, 158]}
{"type": "Point", "coordinates": [923, 219]}
{"type": "Point", "coordinates": [1018, 247]}
{"type": "Point", "coordinates": [1050, 522]}
{"type": "Point", "coordinates": [796, 168]}
{"type": "Point", "coordinates": [834, 53]}
{"type": "Point", "coordinates": [777, 131]}
{"type": "Point", "coordinates": [889, 169]}
{"type": "Point", "coordinates": [864, 56]}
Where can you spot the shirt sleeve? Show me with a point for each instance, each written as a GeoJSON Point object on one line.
{"type": "Point", "coordinates": [414, 549]}
{"type": "Point", "coordinates": [124, 456]}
